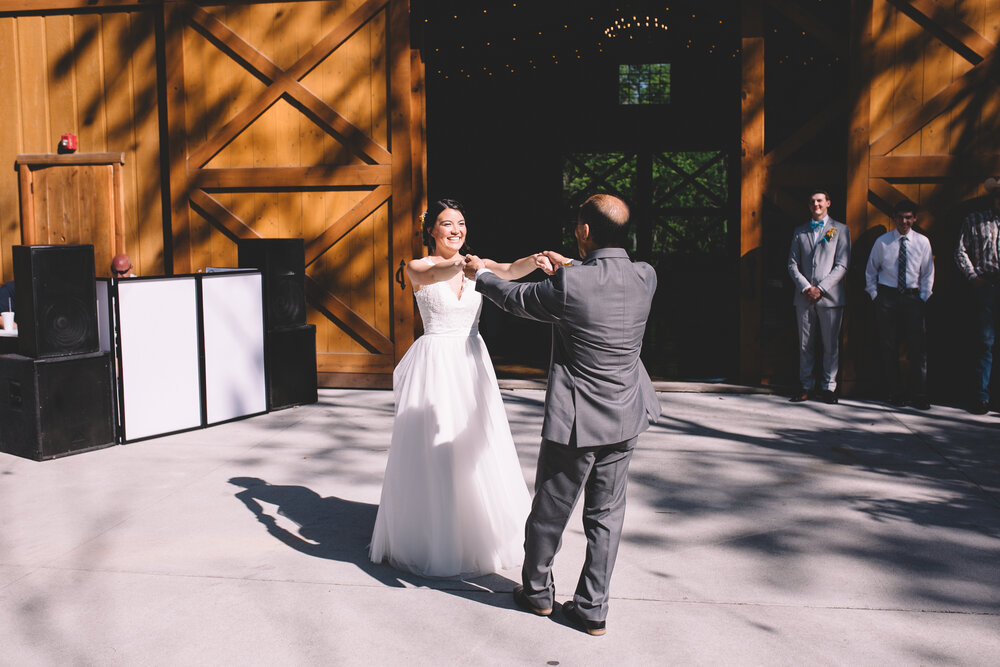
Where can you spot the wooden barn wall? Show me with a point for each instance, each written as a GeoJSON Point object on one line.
{"type": "Point", "coordinates": [931, 134]}
{"type": "Point", "coordinates": [239, 119]}
{"type": "Point", "coordinates": [285, 115]}
{"type": "Point", "coordinates": [92, 74]}
{"type": "Point", "coordinates": [913, 113]}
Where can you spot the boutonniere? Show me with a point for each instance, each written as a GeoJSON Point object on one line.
{"type": "Point", "coordinates": [830, 233]}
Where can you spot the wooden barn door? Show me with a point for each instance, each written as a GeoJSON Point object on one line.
{"type": "Point", "coordinates": [293, 120]}
{"type": "Point", "coordinates": [925, 125]}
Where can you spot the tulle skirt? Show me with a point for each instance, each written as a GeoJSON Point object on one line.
{"type": "Point", "coordinates": [454, 500]}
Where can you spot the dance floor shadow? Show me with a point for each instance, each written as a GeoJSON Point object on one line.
{"type": "Point", "coordinates": [340, 530]}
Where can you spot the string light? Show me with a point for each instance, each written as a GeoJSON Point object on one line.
{"type": "Point", "coordinates": [536, 38]}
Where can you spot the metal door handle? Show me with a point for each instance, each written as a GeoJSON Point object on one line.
{"type": "Point", "coordinates": [400, 277]}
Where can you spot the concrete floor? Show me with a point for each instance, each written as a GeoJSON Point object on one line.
{"type": "Point", "coordinates": [758, 532]}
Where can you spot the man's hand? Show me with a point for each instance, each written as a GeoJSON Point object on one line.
{"type": "Point", "coordinates": [813, 293]}
{"type": "Point", "coordinates": [544, 263]}
{"type": "Point", "coordinates": [558, 261]}
{"type": "Point", "coordinates": [473, 264]}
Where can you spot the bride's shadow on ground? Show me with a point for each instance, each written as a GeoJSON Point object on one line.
{"type": "Point", "coordinates": [340, 530]}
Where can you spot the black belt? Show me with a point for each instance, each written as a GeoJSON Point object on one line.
{"type": "Point", "coordinates": [908, 290]}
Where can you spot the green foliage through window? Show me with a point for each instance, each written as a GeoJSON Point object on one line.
{"type": "Point", "coordinates": [644, 84]}
{"type": "Point", "coordinates": [687, 206]}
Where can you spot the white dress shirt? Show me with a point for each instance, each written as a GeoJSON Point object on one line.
{"type": "Point", "coordinates": [883, 262]}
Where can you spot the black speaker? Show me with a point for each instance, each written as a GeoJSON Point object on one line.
{"type": "Point", "coordinates": [56, 406]}
{"type": "Point", "coordinates": [291, 366]}
{"type": "Point", "coordinates": [282, 264]}
{"type": "Point", "coordinates": [56, 300]}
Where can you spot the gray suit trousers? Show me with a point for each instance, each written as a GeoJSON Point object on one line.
{"type": "Point", "coordinates": [564, 471]}
{"type": "Point", "coordinates": [819, 326]}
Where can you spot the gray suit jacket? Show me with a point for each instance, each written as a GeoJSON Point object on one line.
{"type": "Point", "coordinates": [598, 310]}
{"type": "Point", "coordinates": [823, 264]}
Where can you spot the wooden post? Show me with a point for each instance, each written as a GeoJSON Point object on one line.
{"type": "Point", "coordinates": [179, 223]}
{"type": "Point", "coordinates": [858, 167]}
{"type": "Point", "coordinates": [401, 114]}
{"type": "Point", "coordinates": [753, 185]}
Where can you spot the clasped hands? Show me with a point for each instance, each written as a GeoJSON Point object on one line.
{"type": "Point", "coordinates": [548, 261]}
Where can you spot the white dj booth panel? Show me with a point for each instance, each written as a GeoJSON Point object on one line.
{"type": "Point", "coordinates": [160, 366]}
{"type": "Point", "coordinates": [232, 308]}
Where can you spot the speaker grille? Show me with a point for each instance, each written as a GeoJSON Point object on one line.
{"type": "Point", "coordinates": [66, 324]}
{"type": "Point", "coordinates": [282, 266]}
{"type": "Point", "coordinates": [56, 300]}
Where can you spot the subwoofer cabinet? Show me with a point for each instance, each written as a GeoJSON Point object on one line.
{"type": "Point", "coordinates": [291, 367]}
{"type": "Point", "coordinates": [55, 406]}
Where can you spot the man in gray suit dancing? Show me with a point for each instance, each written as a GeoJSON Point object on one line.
{"type": "Point", "coordinates": [599, 399]}
{"type": "Point", "coordinates": [817, 263]}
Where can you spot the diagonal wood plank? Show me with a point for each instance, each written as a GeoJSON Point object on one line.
{"type": "Point", "coordinates": [806, 133]}
{"type": "Point", "coordinates": [347, 222]}
{"type": "Point", "coordinates": [934, 107]}
{"type": "Point", "coordinates": [284, 83]}
{"type": "Point", "coordinates": [221, 217]}
{"type": "Point", "coordinates": [816, 28]}
{"type": "Point", "coordinates": [942, 23]}
{"type": "Point", "coordinates": [355, 325]}
{"type": "Point", "coordinates": [889, 194]}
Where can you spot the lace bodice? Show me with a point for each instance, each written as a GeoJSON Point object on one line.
{"type": "Point", "coordinates": [444, 314]}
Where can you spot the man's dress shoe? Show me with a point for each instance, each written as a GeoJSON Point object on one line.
{"type": "Point", "coordinates": [593, 628]}
{"type": "Point", "coordinates": [800, 397]}
{"type": "Point", "coordinates": [522, 601]}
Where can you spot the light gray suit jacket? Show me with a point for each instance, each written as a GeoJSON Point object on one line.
{"type": "Point", "coordinates": [823, 264]}
{"type": "Point", "coordinates": [598, 310]}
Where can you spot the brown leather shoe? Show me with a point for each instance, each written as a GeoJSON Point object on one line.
{"type": "Point", "coordinates": [522, 601]}
{"type": "Point", "coordinates": [800, 397]}
{"type": "Point", "coordinates": [592, 628]}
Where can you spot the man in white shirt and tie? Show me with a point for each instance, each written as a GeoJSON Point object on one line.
{"type": "Point", "coordinates": [899, 278]}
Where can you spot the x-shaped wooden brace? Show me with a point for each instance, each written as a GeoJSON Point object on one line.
{"type": "Point", "coordinates": [286, 82]}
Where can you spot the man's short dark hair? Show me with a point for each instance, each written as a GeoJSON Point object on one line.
{"type": "Point", "coordinates": [818, 191]}
{"type": "Point", "coordinates": [608, 219]}
{"type": "Point", "coordinates": [905, 206]}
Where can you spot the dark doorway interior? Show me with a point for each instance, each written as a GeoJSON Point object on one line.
{"type": "Point", "coordinates": [533, 106]}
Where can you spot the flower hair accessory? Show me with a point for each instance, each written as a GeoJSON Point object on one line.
{"type": "Point", "coordinates": [423, 216]}
{"type": "Point", "coordinates": [830, 233]}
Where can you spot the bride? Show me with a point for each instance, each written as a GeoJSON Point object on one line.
{"type": "Point", "coordinates": [453, 501]}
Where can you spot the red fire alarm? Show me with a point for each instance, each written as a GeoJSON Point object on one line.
{"type": "Point", "coordinates": [68, 143]}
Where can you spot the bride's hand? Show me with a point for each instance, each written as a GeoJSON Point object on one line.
{"type": "Point", "coordinates": [542, 262]}
{"type": "Point", "coordinates": [473, 264]}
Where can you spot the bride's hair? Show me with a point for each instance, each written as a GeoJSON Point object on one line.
{"type": "Point", "coordinates": [430, 216]}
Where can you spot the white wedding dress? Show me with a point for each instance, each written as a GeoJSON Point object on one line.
{"type": "Point", "coordinates": [454, 500]}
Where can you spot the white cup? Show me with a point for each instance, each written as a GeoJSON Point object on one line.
{"type": "Point", "coordinates": [8, 319]}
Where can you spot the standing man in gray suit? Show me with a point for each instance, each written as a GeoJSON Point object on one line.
{"type": "Point", "coordinates": [599, 400]}
{"type": "Point", "coordinates": [817, 263]}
